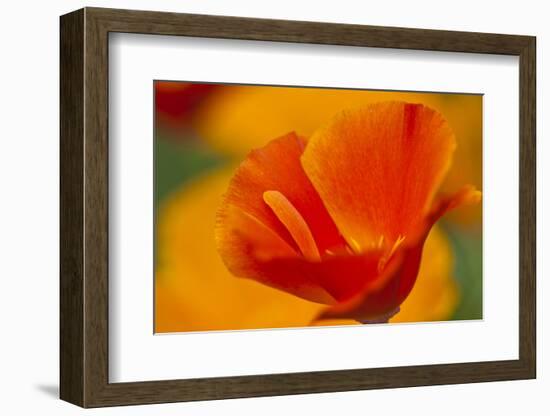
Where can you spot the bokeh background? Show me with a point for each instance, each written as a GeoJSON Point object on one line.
{"type": "Point", "coordinates": [203, 131]}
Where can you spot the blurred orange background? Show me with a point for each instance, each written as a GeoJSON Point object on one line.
{"type": "Point", "coordinates": [203, 131]}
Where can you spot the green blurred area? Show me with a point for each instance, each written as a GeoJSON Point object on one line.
{"type": "Point", "coordinates": [467, 248]}
{"type": "Point", "coordinates": [177, 162]}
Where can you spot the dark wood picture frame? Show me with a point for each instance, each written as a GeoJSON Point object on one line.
{"type": "Point", "coordinates": [84, 207]}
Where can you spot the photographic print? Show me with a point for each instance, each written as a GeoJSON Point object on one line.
{"type": "Point", "coordinates": [292, 207]}
{"type": "Point", "coordinates": [328, 185]}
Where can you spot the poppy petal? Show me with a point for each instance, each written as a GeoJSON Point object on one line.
{"type": "Point", "coordinates": [435, 285]}
{"type": "Point", "coordinates": [340, 276]}
{"type": "Point", "coordinates": [253, 250]}
{"type": "Point", "coordinates": [387, 293]}
{"type": "Point", "coordinates": [249, 249]}
{"type": "Point", "coordinates": [467, 195]}
{"type": "Point", "coordinates": [375, 300]}
{"type": "Point", "coordinates": [276, 168]}
{"type": "Point", "coordinates": [377, 169]}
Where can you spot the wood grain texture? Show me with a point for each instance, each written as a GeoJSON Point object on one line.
{"type": "Point", "coordinates": [96, 208]}
{"type": "Point", "coordinates": [527, 208]}
{"type": "Point", "coordinates": [71, 100]}
{"type": "Point", "coordinates": [84, 207]}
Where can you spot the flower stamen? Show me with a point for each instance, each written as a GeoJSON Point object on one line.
{"type": "Point", "coordinates": [354, 245]}
{"type": "Point", "coordinates": [294, 223]}
{"type": "Point", "coordinates": [384, 259]}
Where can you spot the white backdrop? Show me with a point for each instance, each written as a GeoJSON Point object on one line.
{"type": "Point", "coordinates": [136, 355]}
{"type": "Point", "coordinates": [29, 212]}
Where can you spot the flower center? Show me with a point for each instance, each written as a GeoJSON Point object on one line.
{"type": "Point", "coordinates": [294, 223]}
{"type": "Point", "coordinates": [385, 258]}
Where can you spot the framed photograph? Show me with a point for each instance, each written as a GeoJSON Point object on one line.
{"type": "Point", "coordinates": [254, 207]}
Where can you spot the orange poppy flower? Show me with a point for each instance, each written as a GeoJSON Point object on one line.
{"type": "Point", "coordinates": [236, 118]}
{"type": "Point", "coordinates": [195, 292]}
{"type": "Point", "coordinates": [341, 219]}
